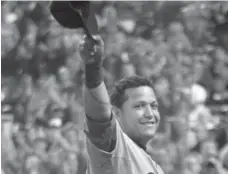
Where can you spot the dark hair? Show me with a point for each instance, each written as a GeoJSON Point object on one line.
{"type": "Point", "coordinates": [118, 96]}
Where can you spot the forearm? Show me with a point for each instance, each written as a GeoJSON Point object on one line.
{"type": "Point", "coordinates": [97, 103]}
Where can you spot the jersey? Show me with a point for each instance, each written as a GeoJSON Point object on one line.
{"type": "Point", "coordinates": [125, 158]}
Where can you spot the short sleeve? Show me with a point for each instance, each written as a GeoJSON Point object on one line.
{"type": "Point", "coordinates": [102, 135]}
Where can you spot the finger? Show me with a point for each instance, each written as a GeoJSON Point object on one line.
{"type": "Point", "coordinates": [85, 45]}
{"type": "Point", "coordinates": [81, 45]}
{"type": "Point", "coordinates": [97, 38]}
{"type": "Point", "coordinates": [88, 44]}
{"type": "Point", "coordinates": [89, 47]}
{"type": "Point", "coordinates": [81, 42]}
{"type": "Point", "coordinates": [89, 40]}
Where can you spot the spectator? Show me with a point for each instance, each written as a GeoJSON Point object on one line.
{"type": "Point", "coordinates": [177, 38]}
{"type": "Point", "coordinates": [200, 117]}
{"type": "Point", "coordinates": [192, 164]}
{"type": "Point", "coordinates": [158, 39]}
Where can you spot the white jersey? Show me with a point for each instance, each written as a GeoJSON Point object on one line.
{"type": "Point", "coordinates": [126, 158]}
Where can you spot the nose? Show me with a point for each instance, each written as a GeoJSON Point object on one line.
{"type": "Point", "coordinates": [148, 111]}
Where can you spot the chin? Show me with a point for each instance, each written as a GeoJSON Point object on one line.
{"type": "Point", "coordinates": [150, 131]}
{"type": "Point", "coordinates": [150, 135]}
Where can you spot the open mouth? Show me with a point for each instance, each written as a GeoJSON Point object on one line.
{"type": "Point", "coordinates": [150, 123]}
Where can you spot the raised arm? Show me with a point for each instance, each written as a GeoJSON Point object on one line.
{"type": "Point", "coordinates": [100, 125]}
{"type": "Point", "coordinates": [96, 98]}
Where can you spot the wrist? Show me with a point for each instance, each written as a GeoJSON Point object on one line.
{"type": "Point", "coordinates": [93, 74]}
{"type": "Point", "coordinates": [94, 61]}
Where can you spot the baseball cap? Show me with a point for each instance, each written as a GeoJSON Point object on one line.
{"type": "Point", "coordinates": [75, 14]}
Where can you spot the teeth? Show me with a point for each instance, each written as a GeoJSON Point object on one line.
{"type": "Point", "coordinates": [150, 123]}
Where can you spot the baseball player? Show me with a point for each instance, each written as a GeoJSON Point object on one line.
{"type": "Point", "coordinates": [117, 127]}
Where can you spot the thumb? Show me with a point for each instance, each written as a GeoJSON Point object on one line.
{"type": "Point", "coordinates": [97, 40]}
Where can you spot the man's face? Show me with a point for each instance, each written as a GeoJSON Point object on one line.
{"type": "Point", "coordinates": [139, 117]}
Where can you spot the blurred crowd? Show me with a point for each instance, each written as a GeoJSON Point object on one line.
{"type": "Point", "coordinates": [172, 43]}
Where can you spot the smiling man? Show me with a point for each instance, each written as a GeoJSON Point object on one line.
{"type": "Point", "coordinates": [119, 129]}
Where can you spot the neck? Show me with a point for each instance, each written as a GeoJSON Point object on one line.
{"type": "Point", "coordinates": [141, 144]}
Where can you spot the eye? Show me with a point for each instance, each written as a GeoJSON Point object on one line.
{"type": "Point", "coordinates": [154, 106]}
{"type": "Point", "coordinates": [139, 106]}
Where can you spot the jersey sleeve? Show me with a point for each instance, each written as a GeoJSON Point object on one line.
{"type": "Point", "coordinates": [101, 135]}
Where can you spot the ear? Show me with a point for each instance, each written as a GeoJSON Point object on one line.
{"type": "Point", "coordinates": [117, 112]}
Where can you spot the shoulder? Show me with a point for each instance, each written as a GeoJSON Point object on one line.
{"type": "Point", "coordinates": [100, 135]}
{"type": "Point", "coordinates": [115, 138]}
{"type": "Point", "coordinates": [159, 170]}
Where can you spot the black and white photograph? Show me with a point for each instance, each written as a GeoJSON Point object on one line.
{"type": "Point", "coordinates": [114, 87]}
